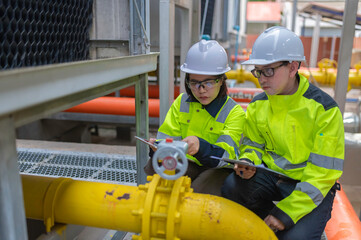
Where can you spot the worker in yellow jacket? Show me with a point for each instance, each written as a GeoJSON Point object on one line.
{"type": "Point", "coordinates": [205, 117]}
{"type": "Point", "coordinates": [294, 129]}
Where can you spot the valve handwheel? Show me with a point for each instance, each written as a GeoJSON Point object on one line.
{"type": "Point", "coordinates": [169, 163]}
{"type": "Point", "coordinates": [170, 158]}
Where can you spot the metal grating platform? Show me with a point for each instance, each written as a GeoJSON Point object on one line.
{"type": "Point", "coordinates": [98, 167]}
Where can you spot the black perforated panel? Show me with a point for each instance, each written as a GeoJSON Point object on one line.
{"type": "Point", "coordinates": [43, 32]}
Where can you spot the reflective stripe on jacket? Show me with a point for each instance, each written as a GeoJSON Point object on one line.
{"type": "Point", "coordinates": [219, 125]}
{"type": "Point", "coordinates": [302, 136]}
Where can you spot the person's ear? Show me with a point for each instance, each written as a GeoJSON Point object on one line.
{"type": "Point", "coordinates": [293, 68]}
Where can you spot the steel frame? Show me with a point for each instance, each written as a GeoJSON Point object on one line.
{"type": "Point", "coordinates": [28, 94]}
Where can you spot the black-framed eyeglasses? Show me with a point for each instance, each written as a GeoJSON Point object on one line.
{"type": "Point", "coordinates": [206, 84]}
{"type": "Point", "coordinates": [267, 72]}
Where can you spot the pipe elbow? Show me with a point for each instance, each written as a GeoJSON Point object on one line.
{"type": "Point", "coordinates": [205, 216]}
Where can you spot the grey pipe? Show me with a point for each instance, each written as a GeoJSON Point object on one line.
{"type": "Point", "coordinates": [351, 122]}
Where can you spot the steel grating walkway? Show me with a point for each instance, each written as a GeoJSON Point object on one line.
{"type": "Point", "coordinates": [100, 167]}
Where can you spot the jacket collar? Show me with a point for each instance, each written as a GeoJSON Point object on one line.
{"type": "Point", "coordinates": [280, 101]}
{"type": "Point", "coordinates": [212, 108]}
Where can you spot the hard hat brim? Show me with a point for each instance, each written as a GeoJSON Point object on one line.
{"type": "Point", "coordinates": [193, 71]}
{"type": "Point", "coordinates": [258, 62]}
{"type": "Point", "coordinates": [266, 62]}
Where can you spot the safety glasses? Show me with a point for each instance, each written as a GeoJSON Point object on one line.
{"type": "Point", "coordinates": [206, 84]}
{"type": "Point", "coordinates": [267, 72]}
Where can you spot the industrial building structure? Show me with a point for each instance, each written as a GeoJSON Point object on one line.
{"type": "Point", "coordinates": [74, 71]}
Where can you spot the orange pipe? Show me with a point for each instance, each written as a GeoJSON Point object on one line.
{"type": "Point", "coordinates": [238, 94]}
{"type": "Point", "coordinates": [153, 91]}
{"type": "Point", "coordinates": [240, 58]}
{"type": "Point", "coordinates": [344, 223]}
{"type": "Point", "coordinates": [114, 106]}
{"type": "Point", "coordinates": [118, 106]}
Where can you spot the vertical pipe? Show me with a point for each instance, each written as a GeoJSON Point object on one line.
{"type": "Point", "coordinates": [333, 45]}
{"type": "Point", "coordinates": [236, 47]}
{"type": "Point", "coordinates": [12, 214]}
{"type": "Point", "coordinates": [186, 19]}
{"type": "Point", "coordinates": [236, 26]}
{"type": "Point", "coordinates": [225, 21]}
{"type": "Point", "coordinates": [216, 32]}
{"type": "Point", "coordinates": [294, 13]}
{"type": "Point", "coordinates": [315, 41]}
{"type": "Point", "coordinates": [236, 13]}
{"type": "Point", "coordinates": [166, 56]}
{"type": "Point", "coordinates": [204, 18]}
{"type": "Point", "coordinates": [344, 57]}
{"type": "Point", "coordinates": [243, 18]}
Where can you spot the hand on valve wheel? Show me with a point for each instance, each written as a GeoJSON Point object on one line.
{"type": "Point", "coordinates": [193, 144]}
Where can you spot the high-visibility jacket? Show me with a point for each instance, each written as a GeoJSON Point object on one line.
{"type": "Point", "coordinates": [302, 136]}
{"type": "Point", "coordinates": [218, 126]}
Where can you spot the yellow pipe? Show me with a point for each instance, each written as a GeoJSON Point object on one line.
{"type": "Point", "coordinates": [242, 75]}
{"type": "Point", "coordinates": [325, 74]}
{"type": "Point", "coordinates": [161, 209]}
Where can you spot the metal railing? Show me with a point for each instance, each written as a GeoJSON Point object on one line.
{"type": "Point", "coordinates": [28, 94]}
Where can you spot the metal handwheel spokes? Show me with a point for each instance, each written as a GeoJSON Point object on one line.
{"type": "Point", "coordinates": [170, 161]}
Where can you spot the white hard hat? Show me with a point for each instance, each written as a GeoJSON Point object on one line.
{"type": "Point", "coordinates": [206, 58]}
{"type": "Point", "coordinates": [276, 44]}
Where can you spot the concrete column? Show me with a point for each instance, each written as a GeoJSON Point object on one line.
{"type": "Point", "coordinates": [166, 57]}
{"type": "Point", "coordinates": [344, 56]}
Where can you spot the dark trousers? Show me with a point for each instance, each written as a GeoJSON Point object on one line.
{"type": "Point", "coordinates": [204, 179]}
{"type": "Point", "coordinates": [259, 193]}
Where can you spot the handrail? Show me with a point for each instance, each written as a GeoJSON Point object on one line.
{"type": "Point", "coordinates": [28, 94]}
{"type": "Point", "coordinates": [31, 93]}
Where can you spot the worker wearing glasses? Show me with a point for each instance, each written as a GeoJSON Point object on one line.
{"type": "Point", "coordinates": [205, 117]}
{"type": "Point", "coordinates": [294, 129]}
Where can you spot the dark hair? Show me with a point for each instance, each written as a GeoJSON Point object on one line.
{"type": "Point", "coordinates": [222, 91]}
